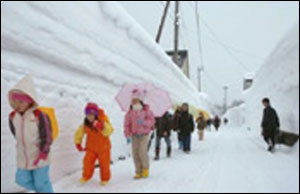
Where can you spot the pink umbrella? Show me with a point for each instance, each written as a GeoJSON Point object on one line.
{"type": "Point", "coordinates": [158, 99]}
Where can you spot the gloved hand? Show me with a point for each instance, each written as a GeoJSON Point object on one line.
{"type": "Point", "coordinates": [128, 140]}
{"type": "Point", "coordinates": [140, 121]}
{"type": "Point", "coordinates": [80, 148]}
{"type": "Point", "coordinates": [42, 156]}
{"type": "Point", "coordinates": [98, 125]}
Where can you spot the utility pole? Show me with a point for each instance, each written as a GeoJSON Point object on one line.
{"type": "Point", "coordinates": [176, 33]}
{"type": "Point", "coordinates": [162, 23]}
{"type": "Point", "coordinates": [225, 98]}
{"type": "Point", "coordinates": [199, 70]}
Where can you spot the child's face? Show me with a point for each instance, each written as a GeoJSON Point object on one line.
{"type": "Point", "coordinates": [91, 117]}
{"type": "Point", "coordinates": [21, 106]}
{"type": "Point", "coordinates": [135, 101]}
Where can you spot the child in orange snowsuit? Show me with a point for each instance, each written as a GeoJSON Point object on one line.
{"type": "Point", "coordinates": [97, 129]}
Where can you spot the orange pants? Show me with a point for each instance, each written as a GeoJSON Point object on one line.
{"type": "Point", "coordinates": [89, 165]}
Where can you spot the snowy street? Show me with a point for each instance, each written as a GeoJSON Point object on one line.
{"type": "Point", "coordinates": [231, 160]}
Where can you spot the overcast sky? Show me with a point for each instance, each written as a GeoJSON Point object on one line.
{"type": "Point", "coordinates": [236, 36]}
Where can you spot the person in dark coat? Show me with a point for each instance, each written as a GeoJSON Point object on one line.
{"type": "Point", "coordinates": [270, 124]}
{"type": "Point", "coordinates": [208, 124]}
{"type": "Point", "coordinates": [176, 117]}
{"type": "Point", "coordinates": [217, 122]}
{"type": "Point", "coordinates": [225, 121]}
{"type": "Point", "coordinates": [186, 126]}
{"type": "Point", "coordinates": [163, 128]}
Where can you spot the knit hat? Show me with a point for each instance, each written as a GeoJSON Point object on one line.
{"type": "Point", "coordinates": [92, 108]}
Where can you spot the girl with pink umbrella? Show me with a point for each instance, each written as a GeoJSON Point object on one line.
{"type": "Point", "coordinates": [142, 102]}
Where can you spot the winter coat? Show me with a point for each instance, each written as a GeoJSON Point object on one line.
{"type": "Point", "coordinates": [32, 130]}
{"type": "Point", "coordinates": [98, 146]}
{"type": "Point", "coordinates": [176, 117]}
{"type": "Point", "coordinates": [217, 122]}
{"type": "Point", "coordinates": [132, 125]}
{"type": "Point", "coordinates": [208, 122]}
{"type": "Point", "coordinates": [163, 125]}
{"type": "Point", "coordinates": [97, 139]}
{"type": "Point", "coordinates": [201, 123]}
{"type": "Point", "coordinates": [270, 122]}
{"type": "Point", "coordinates": [186, 123]}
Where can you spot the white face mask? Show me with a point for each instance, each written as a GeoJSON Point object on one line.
{"type": "Point", "coordinates": [138, 107]}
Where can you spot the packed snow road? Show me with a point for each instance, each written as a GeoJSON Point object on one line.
{"type": "Point", "coordinates": [231, 160]}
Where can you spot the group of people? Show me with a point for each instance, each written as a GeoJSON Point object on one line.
{"type": "Point", "coordinates": [31, 128]}
{"type": "Point", "coordinates": [182, 122]}
{"type": "Point", "coordinates": [216, 122]}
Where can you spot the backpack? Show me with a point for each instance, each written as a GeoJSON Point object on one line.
{"type": "Point", "coordinates": [50, 112]}
{"type": "Point", "coordinates": [108, 129]}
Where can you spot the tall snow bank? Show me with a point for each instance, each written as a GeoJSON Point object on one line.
{"type": "Point", "coordinates": [278, 79]}
{"type": "Point", "coordinates": [78, 52]}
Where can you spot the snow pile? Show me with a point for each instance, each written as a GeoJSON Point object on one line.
{"type": "Point", "coordinates": [78, 52]}
{"type": "Point", "coordinates": [249, 75]}
{"type": "Point", "coordinates": [278, 79]}
{"type": "Point", "coordinates": [235, 116]}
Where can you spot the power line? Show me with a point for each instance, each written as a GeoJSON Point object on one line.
{"type": "Point", "coordinates": [244, 52]}
{"type": "Point", "coordinates": [234, 49]}
{"type": "Point", "coordinates": [231, 47]}
{"type": "Point", "coordinates": [227, 49]}
{"type": "Point", "coordinates": [213, 81]}
{"type": "Point", "coordinates": [229, 52]}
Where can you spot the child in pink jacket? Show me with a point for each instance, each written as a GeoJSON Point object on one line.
{"type": "Point", "coordinates": [139, 122]}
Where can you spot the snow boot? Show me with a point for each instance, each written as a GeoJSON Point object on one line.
{"type": "Point", "coordinates": [145, 173]}
{"type": "Point", "coordinates": [271, 148]}
{"type": "Point", "coordinates": [83, 180]}
{"type": "Point", "coordinates": [157, 151]}
{"type": "Point", "coordinates": [104, 183]}
{"type": "Point", "coordinates": [137, 176]}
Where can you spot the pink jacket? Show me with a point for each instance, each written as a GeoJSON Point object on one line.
{"type": "Point", "coordinates": [132, 127]}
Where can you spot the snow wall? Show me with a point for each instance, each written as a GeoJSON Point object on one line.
{"type": "Point", "coordinates": [278, 79]}
{"type": "Point", "coordinates": [79, 52]}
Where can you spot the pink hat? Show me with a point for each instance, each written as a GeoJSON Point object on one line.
{"type": "Point", "coordinates": [21, 97]}
{"type": "Point", "coordinates": [92, 108]}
